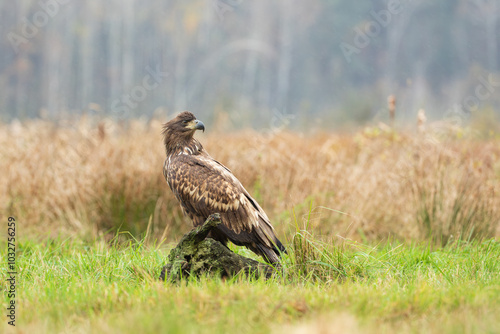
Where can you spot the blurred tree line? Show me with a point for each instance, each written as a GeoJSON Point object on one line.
{"type": "Point", "coordinates": [254, 61]}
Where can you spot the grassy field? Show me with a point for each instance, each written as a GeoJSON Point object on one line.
{"type": "Point", "coordinates": [387, 231]}
{"type": "Point", "coordinates": [73, 287]}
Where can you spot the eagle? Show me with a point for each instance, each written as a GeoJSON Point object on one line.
{"type": "Point", "coordinates": [204, 186]}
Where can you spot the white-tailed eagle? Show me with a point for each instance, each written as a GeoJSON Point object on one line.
{"type": "Point", "coordinates": [204, 186]}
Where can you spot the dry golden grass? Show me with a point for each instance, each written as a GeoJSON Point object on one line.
{"type": "Point", "coordinates": [90, 179]}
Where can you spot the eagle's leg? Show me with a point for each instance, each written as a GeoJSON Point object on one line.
{"type": "Point", "coordinates": [218, 236]}
{"type": "Point", "coordinates": [215, 233]}
{"type": "Point", "coordinates": [208, 227]}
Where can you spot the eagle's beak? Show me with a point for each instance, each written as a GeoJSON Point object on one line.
{"type": "Point", "coordinates": [199, 125]}
{"type": "Point", "coordinates": [196, 125]}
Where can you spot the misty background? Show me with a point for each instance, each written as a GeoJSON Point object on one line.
{"type": "Point", "coordinates": [328, 62]}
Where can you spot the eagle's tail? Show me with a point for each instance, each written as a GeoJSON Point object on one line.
{"type": "Point", "coordinates": [272, 255]}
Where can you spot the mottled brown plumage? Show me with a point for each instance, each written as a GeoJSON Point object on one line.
{"type": "Point", "coordinates": [204, 186]}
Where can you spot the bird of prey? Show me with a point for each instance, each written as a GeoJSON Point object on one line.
{"type": "Point", "coordinates": [204, 186]}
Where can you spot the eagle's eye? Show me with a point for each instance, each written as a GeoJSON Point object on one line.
{"type": "Point", "coordinates": [184, 122]}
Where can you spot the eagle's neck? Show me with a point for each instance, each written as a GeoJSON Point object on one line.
{"type": "Point", "coordinates": [176, 145]}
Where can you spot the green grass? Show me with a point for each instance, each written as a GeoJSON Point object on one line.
{"type": "Point", "coordinates": [72, 286]}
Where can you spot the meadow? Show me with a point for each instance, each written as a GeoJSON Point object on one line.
{"type": "Point", "coordinates": [393, 231]}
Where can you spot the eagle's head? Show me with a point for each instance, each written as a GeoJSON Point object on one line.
{"type": "Point", "coordinates": [185, 124]}
{"type": "Point", "coordinates": [179, 131]}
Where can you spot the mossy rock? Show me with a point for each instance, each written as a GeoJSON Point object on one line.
{"type": "Point", "coordinates": [196, 255]}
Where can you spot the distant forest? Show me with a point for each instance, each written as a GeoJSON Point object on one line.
{"type": "Point", "coordinates": [315, 61]}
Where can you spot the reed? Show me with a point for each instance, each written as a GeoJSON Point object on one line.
{"type": "Point", "coordinates": [88, 179]}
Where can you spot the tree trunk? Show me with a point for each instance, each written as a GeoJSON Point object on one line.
{"type": "Point", "coordinates": [196, 255]}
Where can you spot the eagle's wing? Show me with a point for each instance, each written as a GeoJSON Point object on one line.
{"type": "Point", "coordinates": [204, 186]}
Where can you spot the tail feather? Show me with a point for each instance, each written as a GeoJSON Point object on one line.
{"type": "Point", "coordinates": [280, 246]}
{"type": "Point", "coordinates": [272, 255]}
